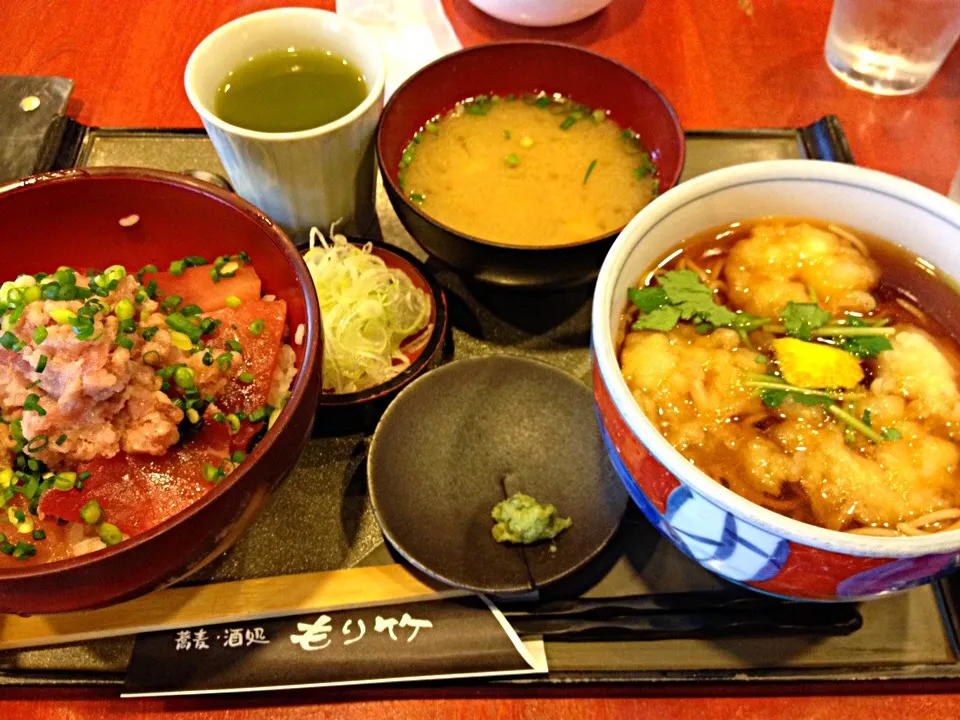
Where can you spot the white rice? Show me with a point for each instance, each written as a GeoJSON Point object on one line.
{"type": "Point", "coordinates": [282, 377]}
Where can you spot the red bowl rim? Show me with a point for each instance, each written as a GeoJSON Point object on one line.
{"type": "Point", "coordinates": [666, 182]}
{"type": "Point", "coordinates": [297, 391]}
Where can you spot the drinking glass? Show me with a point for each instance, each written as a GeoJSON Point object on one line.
{"type": "Point", "coordinates": [890, 47]}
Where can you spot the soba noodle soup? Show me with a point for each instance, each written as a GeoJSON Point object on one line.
{"type": "Point", "coordinates": [793, 361]}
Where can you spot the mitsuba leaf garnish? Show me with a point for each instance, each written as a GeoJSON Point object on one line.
{"type": "Point", "coordinates": [663, 319]}
{"type": "Point", "coordinates": [681, 296]}
{"type": "Point", "coordinates": [864, 346]}
{"type": "Point", "coordinates": [801, 319]}
{"type": "Point", "coordinates": [648, 299]}
{"type": "Point", "coordinates": [773, 390]}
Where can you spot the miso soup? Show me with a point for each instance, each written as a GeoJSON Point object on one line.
{"type": "Point", "coordinates": [536, 170]}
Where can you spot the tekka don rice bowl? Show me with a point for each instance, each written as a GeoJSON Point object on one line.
{"type": "Point", "coordinates": [128, 395]}
{"type": "Point", "coordinates": [779, 376]}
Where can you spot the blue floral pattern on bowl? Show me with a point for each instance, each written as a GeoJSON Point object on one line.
{"type": "Point", "coordinates": [898, 575]}
{"type": "Point", "coordinates": [721, 542]}
{"type": "Point", "coordinates": [708, 534]}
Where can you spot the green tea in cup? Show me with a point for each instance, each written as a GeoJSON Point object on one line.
{"type": "Point", "coordinates": [289, 90]}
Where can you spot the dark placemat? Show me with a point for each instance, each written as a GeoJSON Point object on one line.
{"type": "Point", "coordinates": [323, 514]}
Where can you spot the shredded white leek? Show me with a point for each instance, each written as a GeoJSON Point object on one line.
{"type": "Point", "coordinates": [368, 312]}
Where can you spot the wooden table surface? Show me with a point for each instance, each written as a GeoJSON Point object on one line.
{"type": "Point", "coordinates": [722, 63]}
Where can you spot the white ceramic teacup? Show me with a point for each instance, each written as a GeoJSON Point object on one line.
{"type": "Point", "coordinates": [300, 179]}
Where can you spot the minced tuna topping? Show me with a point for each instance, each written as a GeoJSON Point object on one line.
{"type": "Point", "coordinates": [125, 396]}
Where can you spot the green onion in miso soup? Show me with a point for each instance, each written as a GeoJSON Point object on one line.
{"type": "Point", "coordinates": [284, 91]}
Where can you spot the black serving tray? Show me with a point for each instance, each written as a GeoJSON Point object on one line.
{"type": "Point", "coordinates": [322, 518]}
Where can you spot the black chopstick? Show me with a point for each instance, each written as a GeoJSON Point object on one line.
{"type": "Point", "coordinates": [783, 619]}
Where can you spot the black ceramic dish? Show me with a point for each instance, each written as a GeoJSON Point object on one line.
{"type": "Point", "coordinates": [461, 439]}
{"type": "Point", "coordinates": [356, 412]}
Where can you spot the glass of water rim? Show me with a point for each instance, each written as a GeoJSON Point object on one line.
{"type": "Point", "coordinates": [891, 47]}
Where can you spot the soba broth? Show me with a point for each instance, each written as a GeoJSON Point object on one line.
{"type": "Point", "coordinates": [799, 458]}
{"type": "Point", "coordinates": [533, 171]}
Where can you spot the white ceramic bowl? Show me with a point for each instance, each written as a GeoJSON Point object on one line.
{"type": "Point", "coordinates": [540, 13]}
{"type": "Point", "coordinates": [724, 532]}
{"type": "Point", "coordinates": [300, 179]}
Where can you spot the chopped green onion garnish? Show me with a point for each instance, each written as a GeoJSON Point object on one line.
{"type": "Point", "coordinates": [590, 167]}
{"type": "Point", "coordinates": [33, 403]}
{"type": "Point", "coordinates": [193, 416]}
{"type": "Point", "coordinates": [9, 341]}
{"type": "Point", "coordinates": [125, 342]}
{"type": "Point", "coordinates": [181, 324]}
{"type": "Point", "coordinates": [238, 457]}
{"type": "Point", "coordinates": [177, 267]}
{"type": "Point", "coordinates": [211, 473]}
{"type": "Point", "coordinates": [110, 534]}
{"type": "Point", "coordinates": [170, 303]}
{"type": "Point", "coordinates": [568, 123]}
{"type": "Point", "coordinates": [63, 316]}
{"type": "Point", "coordinates": [39, 535]}
{"type": "Point", "coordinates": [224, 362]}
{"type": "Point", "coordinates": [149, 333]}
{"type": "Point", "coordinates": [208, 325]}
{"type": "Point", "coordinates": [190, 310]}
{"type": "Point", "coordinates": [124, 310]}
{"type": "Point", "coordinates": [261, 414]}
{"type": "Point", "coordinates": [233, 301]}
{"type": "Point", "coordinates": [512, 160]}
{"type": "Point", "coordinates": [91, 512]}
{"type": "Point", "coordinates": [234, 422]}
{"type": "Point", "coordinates": [24, 550]}
{"type": "Point", "coordinates": [37, 443]}
{"type": "Point", "coordinates": [85, 475]}
{"type": "Point", "coordinates": [61, 440]}
{"type": "Point", "coordinates": [151, 358]}
{"type": "Point", "coordinates": [39, 334]}
{"type": "Point", "coordinates": [41, 363]}
{"type": "Point", "coordinates": [246, 378]}
{"type": "Point", "coordinates": [183, 377]}
{"type": "Point", "coordinates": [65, 481]}
{"type": "Point", "coordinates": [234, 345]}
